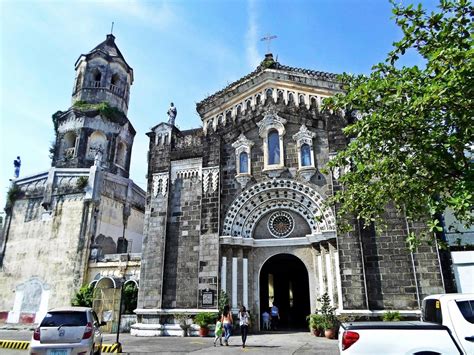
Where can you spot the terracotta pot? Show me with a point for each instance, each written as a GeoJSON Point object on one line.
{"type": "Point", "coordinates": [317, 332]}
{"type": "Point", "coordinates": [330, 333]}
{"type": "Point", "coordinates": [203, 332]}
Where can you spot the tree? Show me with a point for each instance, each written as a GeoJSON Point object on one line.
{"type": "Point", "coordinates": [83, 297]}
{"type": "Point", "coordinates": [410, 129]}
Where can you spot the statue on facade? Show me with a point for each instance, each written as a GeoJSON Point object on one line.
{"type": "Point", "coordinates": [16, 166]}
{"type": "Point", "coordinates": [98, 157]}
{"type": "Point", "coordinates": [172, 112]}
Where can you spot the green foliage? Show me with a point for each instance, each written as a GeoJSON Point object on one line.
{"type": "Point", "coordinates": [104, 108]}
{"type": "Point", "coordinates": [83, 297]}
{"type": "Point", "coordinates": [204, 319]}
{"type": "Point", "coordinates": [315, 321]}
{"type": "Point", "coordinates": [130, 298]}
{"type": "Point", "coordinates": [328, 312]}
{"type": "Point", "coordinates": [13, 194]}
{"type": "Point", "coordinates": [82, 182]}
{"type": "Point", "coordinates": [223, 301]}
{"type": "Point", "coordinates": [411, 131]}
{"type": "Point", "coordinates": [392, 316]}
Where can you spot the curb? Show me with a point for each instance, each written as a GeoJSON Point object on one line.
{"type": "Point", "coordinates": [14, 344]}
{"type": "Point", "coordinates": [24, 345]}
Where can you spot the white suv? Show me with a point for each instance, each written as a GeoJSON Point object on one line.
{"type": "Point", "coordinates": [68, 331]}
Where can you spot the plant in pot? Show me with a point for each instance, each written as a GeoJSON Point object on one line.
{"type": "Point", "coordinates": [184, 321]}
{"type": "Point", "coordinates": [204, 319]}
{"type": "Point", "coordinates": [330, 322]}
{"type": "Point", "coordinates": [315, 322]}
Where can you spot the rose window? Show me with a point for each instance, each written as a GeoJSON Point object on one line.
{"type": "Point", "coordinates": [280, 224]}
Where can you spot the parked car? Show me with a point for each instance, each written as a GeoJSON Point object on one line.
{"type": "Point", "coordinates": [396, 338]}
{"type": "Point", "coordinates": [68, 331]}
{"type": "Point", "coordinates": [456, 311]}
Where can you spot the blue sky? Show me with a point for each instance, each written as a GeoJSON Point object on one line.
{"type": "Point", "coordinates": [180, 51]}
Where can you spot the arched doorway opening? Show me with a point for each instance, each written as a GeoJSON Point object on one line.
{"type": "Point", "coordinates": [284, 281]}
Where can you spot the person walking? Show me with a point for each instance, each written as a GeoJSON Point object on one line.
{"type": "Point", "coordinates": [275, 316]}
{"type": "Point", "coordinates": [227, 322]}
{"type": "Point", "coordinates": [218, 331]}
{"type": "Point", "coordinates": [244, 318]}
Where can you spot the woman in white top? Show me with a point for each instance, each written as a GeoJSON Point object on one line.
{"type": "Point", "coordinates": [244, 318]}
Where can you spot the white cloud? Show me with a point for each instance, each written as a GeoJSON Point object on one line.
{"type": "Point", "coordinates": [251, 38]}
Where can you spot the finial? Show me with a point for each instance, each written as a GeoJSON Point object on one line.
{"type": "Point", "coordinates": [112, 28]}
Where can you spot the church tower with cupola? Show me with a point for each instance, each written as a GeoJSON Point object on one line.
{"type": "Point", "coordinates": [95, 129]}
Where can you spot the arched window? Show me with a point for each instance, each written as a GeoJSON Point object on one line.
{"type": "Point", "coordinates": [78, 82]}
{"type": "Point", "coordinates": [291, 98]}
{"type": "Point", "coordinates": [69, 144]}
{"type": "Point", "coordinates": [247, 105]}
{"type": "Point", "coordinates": [96, 77]}
{"type": "Point", "coordinates": [273, 147]}
{"type": "Point", "coordinates": [121, 154]}
{"type": "Point", "coordinates": [243, 163]}
{"type": "Point", "coordinates": [115, 84]}
{"type": "Point", "coordinates": [268, 94]}
{"type": "Point", "coordinates": [97, 143]}
{"type": "Point", "coordinates": [305, 155]}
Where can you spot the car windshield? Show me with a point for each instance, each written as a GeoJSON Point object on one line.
{"type": "Point", "coordinates": [71, 319]}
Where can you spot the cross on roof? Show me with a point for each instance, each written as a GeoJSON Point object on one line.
{"type": "Point", "coordinates": [268, 38]}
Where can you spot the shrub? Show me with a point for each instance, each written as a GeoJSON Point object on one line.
{"type": "Point", "coordinates": [204, 319]}
{"type": "Point", "coordinates": [392, 316]}
{"type": "Point", "coordinates": [83, 297]}
{"type": "Point", "coordinates": [315, 321]}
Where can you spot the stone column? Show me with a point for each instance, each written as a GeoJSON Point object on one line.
{"type": "Point", "coordinates": [245, 281]}
{"type": "Point", "coordinates": [224, 274]}
{"type": "Point", "coordinates": [234, 282]}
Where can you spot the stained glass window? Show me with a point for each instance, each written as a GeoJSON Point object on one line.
{"type": "Point", "coordinates": [273, 147]}
{"type": "Point", "coordinates": [244, 163]}
{"type": "Point", "coordinates": [305, 155]}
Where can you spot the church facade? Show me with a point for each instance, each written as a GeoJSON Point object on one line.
{"type": "Point", "coordinates": [238, 205]}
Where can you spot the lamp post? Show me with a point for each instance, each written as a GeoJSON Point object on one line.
{"type": "Point", "coordinates": [117, 342]}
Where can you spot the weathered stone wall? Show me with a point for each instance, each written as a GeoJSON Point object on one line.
{"type": "Point", "coordinates": [51, 248]}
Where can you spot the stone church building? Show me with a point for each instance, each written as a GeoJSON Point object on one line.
{"type": "Point", "coordinates": [238, 205]}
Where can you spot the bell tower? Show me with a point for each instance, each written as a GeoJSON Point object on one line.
{"type": "Point", "coordinates": [103, 75]}
{"type": "Point", "coordinates": [95, 130]}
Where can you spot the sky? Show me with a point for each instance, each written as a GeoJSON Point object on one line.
{"type": "Point", "coordinates": [180, 51]}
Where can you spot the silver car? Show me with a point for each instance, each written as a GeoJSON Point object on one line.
{"type": "Point", "coordinates": [68, 331]}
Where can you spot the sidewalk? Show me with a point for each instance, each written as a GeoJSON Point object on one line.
{"type": "Point", "coordinates": [267, 343]}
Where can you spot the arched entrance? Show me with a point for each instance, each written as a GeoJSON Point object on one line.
{"type": "Point", "coordinates": [284, 281]}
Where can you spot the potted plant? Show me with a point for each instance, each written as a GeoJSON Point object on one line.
{"type": "Point", "coordinates": [316, 325]}
{"type": "Point", "coordinates": [330, 322]}
{"type": "Point", "coordinates": [204, 319]}
{"type": "Point", "coordinates": [184, 321]}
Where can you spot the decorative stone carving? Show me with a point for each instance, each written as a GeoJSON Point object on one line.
{"type": "Point", "coordinates": [276, 195]}
{"type": "Point", "coordinates": [243, 145]}
{"type": "Point", "coordinates": [160, 184]}
{"type": "Point", "coordinates": [280, 224]}
{"type": "Point", "coordinates": [210, 179]}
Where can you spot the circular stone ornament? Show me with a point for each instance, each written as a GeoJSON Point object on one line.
{"type": "Point", "coordinates": [280, 224]}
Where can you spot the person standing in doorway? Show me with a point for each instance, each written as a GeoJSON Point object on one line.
{"type": "Point", "coordinates": [266, 320]}
{"type": "Point", "coordinates": [227, 322]}
{"type": "Point", "coordinates": [275, 316]}
{"type": "Point", "coordinates": [16, 166]}
{"type": "Point", "coordinates": [244, 318]}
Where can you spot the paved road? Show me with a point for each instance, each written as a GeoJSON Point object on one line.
{"type": "Point", "coordinates": [269, 343]}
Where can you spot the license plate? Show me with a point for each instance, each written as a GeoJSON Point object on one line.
{"type": "Point", "coordinates": [58, 352]}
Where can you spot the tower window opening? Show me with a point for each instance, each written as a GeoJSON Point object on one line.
{"type": "Point", "coordinates": [115, 84]}
{"type": "Point", "coordinates": [96, 78]}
